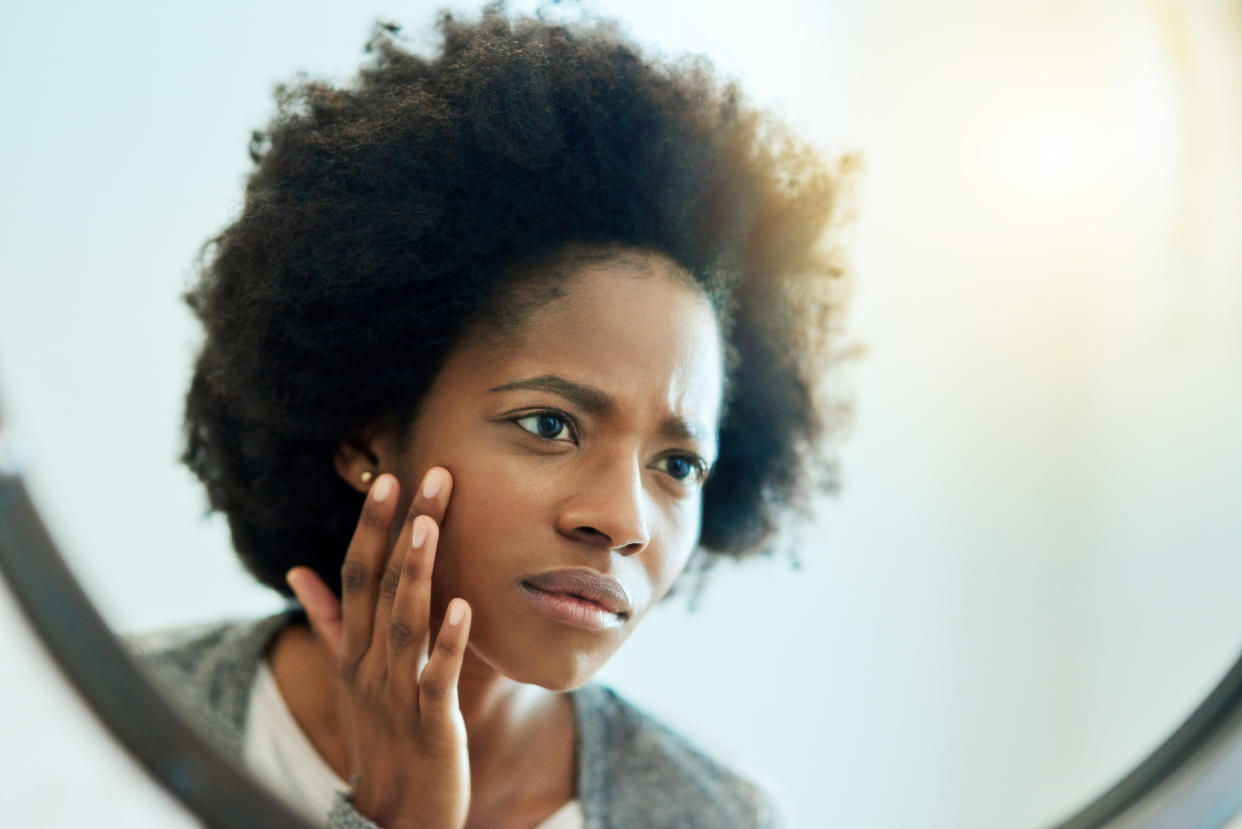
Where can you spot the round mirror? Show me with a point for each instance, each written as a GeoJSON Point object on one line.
{"type": "Point", "coordinates": [1027, 579]}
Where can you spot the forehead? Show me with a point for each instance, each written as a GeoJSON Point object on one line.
{"type": "Point", "coordinates": [635, 326]}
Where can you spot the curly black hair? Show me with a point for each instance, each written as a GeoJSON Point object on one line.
{"type": "Point", "coordinates": [415, 198]}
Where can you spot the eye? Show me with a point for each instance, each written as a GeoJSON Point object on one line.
{"type": "Point", "coordinates": [548, 425]}
{"type": "Point", "coordinates": [683, 467]}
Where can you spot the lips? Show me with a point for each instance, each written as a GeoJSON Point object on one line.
{"type": "Point", "coordinates": [586, 585]}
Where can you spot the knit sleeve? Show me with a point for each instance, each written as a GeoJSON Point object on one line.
{"type": "Point", "coordinates": [345, 816]}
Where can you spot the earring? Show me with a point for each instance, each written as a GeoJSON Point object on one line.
{"type": "Point", "coordinates": [367, 475]}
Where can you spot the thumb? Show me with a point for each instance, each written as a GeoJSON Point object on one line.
{"type": "Point", "coordinates": [323, 608]}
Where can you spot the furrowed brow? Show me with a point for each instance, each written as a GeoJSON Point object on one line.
{"type": "Point", "coordinates": [589, 398]}
{"type": "Point", "coordinates": [676, 428]}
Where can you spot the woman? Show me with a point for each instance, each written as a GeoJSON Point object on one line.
{"type": "Point", "coordinates": [502, 339]}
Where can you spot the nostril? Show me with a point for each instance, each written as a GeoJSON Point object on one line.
{"type": "Point", "coordinates": [594, 534]}
{"type": "Point", "coordinates": [622, 540]}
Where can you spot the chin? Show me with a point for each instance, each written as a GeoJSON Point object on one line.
{"type": "Point", "coordinates": [556, 669]}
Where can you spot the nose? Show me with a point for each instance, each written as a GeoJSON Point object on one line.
{"type": "Point", "coordinates": [607, 506]}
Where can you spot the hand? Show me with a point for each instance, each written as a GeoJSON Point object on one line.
{"type": "Point", "coordinates": [398, 706]}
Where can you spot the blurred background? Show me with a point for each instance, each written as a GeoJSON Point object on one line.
{"type": "Point", "coordinates": [1031, 574]}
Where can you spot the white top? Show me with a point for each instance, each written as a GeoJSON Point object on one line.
{"type": "Point", "coordinates": [282, 757]}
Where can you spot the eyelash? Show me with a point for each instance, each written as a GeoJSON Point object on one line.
{"type": "Point", "coordinates": [699, 475]}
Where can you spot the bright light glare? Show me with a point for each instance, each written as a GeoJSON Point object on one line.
{"type": "Point", "coordinates": [1089, 145]}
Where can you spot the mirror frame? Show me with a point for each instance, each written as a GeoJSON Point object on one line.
{"type": "Point", "coordinates": [106, 677]}
{"type": "Point", "coordinates": [1191, 779]}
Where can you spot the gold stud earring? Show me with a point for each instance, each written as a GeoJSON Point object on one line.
{"type": "Point", "coordinates": [367, 476]}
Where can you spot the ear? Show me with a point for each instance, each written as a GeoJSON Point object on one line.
{"type": "Point", "coordinates": [360, 453]}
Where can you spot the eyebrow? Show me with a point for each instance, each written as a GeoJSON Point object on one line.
{"type": "Point", "coordinates": [597, 402]}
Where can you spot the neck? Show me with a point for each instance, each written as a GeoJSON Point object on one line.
{"type": "Point", "coordinates": [505, 721]}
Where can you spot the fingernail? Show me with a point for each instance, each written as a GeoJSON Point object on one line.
{"type": "Point", "coordinates": [456, 611]}
{"type": "Point", "coordinates": [432, 483]}
{"type": "Point", "coordinates": [419, 535]}
{"type": "Point", "coordinates": [381, 489]}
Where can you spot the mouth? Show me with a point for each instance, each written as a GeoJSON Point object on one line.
{"type": "Point", "coordinates": [580, 597]}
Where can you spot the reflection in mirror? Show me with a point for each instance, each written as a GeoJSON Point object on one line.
{"type": "Point", "coordinates": [1025, 581]}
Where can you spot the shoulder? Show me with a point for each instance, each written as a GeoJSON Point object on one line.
{"type": "Point", "coordinates": [208, 670]}
{"type": "Point", "coordinates": [637, 766]}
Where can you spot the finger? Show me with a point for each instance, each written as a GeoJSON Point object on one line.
{"type": "Point", "coordinates": [433, 495]}
{"type": "Point", "coordinates": [431, 498]}
{"type": "Point", "coordinates": [409, 623]}
{"type": "Point", "coordinates": [437, 687]}
{"type": "Point", "coordinates": [363, 569]}
{"type": "Point", "coordinates": [323, 608]}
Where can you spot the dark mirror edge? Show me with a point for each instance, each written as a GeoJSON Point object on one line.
{"type": "Point", "coordinates": [1191, 779]}
{"type": "Point", "coordinates": [112, 684]}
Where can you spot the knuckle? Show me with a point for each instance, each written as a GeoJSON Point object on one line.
{"type": "Point", "coordinates": [354, 575]}
{"type": "Point", "coordinates": [448, 649]}
{"type": "Point", "coordinates": [348, 672]}
{"type": "Point", "coordinates": [434, 687]}
{"type": "Point", "coordinates": [400, 634]}
{"type": "Point", "coordinates": [416, 568]}
{"type": "Point", "coordinates": [392, 579]}
{"type": "Point", "coordinates": [372, 518]}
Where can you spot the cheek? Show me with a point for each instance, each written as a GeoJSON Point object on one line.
{"type": "Point", "coordinates": [488, 513]}
{"type": "Point", "coordinates": [678, 541]}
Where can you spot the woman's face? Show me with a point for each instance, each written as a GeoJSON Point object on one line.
{"type": "Point", "coordinates": [577, 449]}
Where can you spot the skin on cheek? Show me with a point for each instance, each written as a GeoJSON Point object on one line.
{"type": "Point", "coordinates": [492, 516]}
{"type": "Point", "coordinates": [478, 519]}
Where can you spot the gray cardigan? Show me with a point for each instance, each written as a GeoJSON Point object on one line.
{"type": "Point", "coordinates": [633, 772]}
